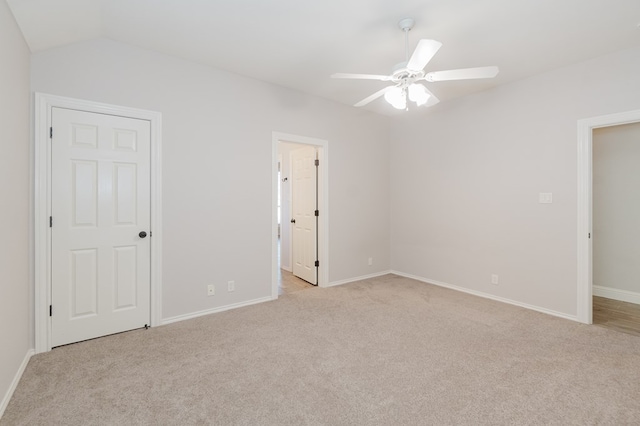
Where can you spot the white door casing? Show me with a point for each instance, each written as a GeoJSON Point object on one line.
{"type": "Point", "coordinates": [100, 186]}
{"type": "Point", "coordinates": [585, 205]}
{"type": "Point", "coordinates": [303, 207]}
{"type": "Point", "coordinates": [42, 211]}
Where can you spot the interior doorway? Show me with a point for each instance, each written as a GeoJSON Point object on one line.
{"type": "Point", "coordinates": [291, 152]}
{"type": "Point", "coordinates": [616, 227]}
{"type": "Point", "coordinates": [287, 281]}
{"type": "Point", "coordinates": [586, 231]}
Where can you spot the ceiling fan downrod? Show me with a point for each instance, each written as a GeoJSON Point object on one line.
{"type": "Point", "coordinates": [405, 25]}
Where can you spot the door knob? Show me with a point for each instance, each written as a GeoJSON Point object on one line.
{"type": "Point", "coordinates": [142, 234]}
{"type": "Point", "coordinates": [293, 221]}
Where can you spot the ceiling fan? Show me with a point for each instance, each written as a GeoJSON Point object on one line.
{"type": "Point", "coordinates": [406, 75]}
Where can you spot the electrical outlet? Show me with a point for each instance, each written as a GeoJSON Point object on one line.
{"type": "Point", "coordinates": [231, 286]}
{"type": "Point", "coordinates": [370, 261]}
{"type": "Point", "coordinates": [494, 279]}
{"type": "Point", "coordinates": [211, 290]}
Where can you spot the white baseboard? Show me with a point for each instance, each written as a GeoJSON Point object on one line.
{"type": "Point", "coordinates": [488, 296]}
{"type": "Point", "coordinates": [379, 274]}
{"type": "Point", "coordinates": [616, 294]}
{"type": "Point", "coordinates": [192, 315]}
{"type": "Point", "coordinates": [16, 380]}
{"type": "Point", "coordinates": [215, 310]}
{"type": "Point", "coordinates": [360, 278]}
{"type": "Point", "coordinates": [286, 268]}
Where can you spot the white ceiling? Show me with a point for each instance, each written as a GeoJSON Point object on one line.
{"type": "Point", "coordinates": [299, 44]}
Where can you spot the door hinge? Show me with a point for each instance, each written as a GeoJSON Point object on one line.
{"type": "Point", "coordinates": [50, 221]}
{"type": "Point", "coordinates": [50, 310]}
{"type": "Point", "coordinates": [317, 162]}
{"type": "Point", "coordinates": [50, 132]}
{"type": "Point", "coordinates": [317, 213]}
{"type": "Point", "coordinates": [589, 235]}
{"type": "Point", "coordinates": [317, 263]}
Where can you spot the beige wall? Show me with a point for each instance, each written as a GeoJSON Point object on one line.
{"type": "Point", "coordinates": [616, 207]}
{"type": "Point", "coordinates": [15, 322]}
{"type": "Point", "coordinates": [217, 149]}
{"type": "Point", "coordinates": [465, 179]}
{"type": "Point", "coordinates": [459, 185]}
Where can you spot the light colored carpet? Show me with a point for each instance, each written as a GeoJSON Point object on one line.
{"type": "Point", "coordinates": [385, 351]}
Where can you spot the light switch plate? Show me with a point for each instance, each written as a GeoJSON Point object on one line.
{"type": "Point", "coordinates": [545, 198]}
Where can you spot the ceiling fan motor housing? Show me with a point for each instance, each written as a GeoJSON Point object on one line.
{"type": "Point", "coordinates": [401, 74]}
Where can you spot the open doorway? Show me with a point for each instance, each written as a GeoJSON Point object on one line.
{"type": "Point", "coordinates": [616, 227]}
{"type": "Point", "coordinates": [300, 207]}
{"type": "Point", "coordinates": [295, 192]}
{"type": "Point", "coordinates": [591, 271]}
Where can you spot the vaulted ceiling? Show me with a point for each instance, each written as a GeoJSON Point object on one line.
{"type": "Point", "coordinates": [299, 44]}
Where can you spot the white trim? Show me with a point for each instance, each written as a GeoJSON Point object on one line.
{"type": "Point", "coordinates": [617, 294]}
{"type": "Point", "coordinates": [323, 189]}
{"type": "Point", "coordinates": [290, 212]}
{"type": "Point", "coordinates": [193, 315]}
{"type": "Point", "coordinates": [15, 381]}
{"type": "Point", "coordinates": [279, 190]}
{"type": "Point", "coordinates": [42, 205]}
{"type": "Point", "coordinates": [360, 278]}
{"type": "Point", "coordinates": [585, 194]}
{"type": "Point", "coordinates": [488, 296]}
{"type": "Point", "coordinates": [286, 268]}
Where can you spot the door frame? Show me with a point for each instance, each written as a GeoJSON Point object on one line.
{"type": "Point", "coordinates": [43, 105]}
{"type": "Point", "coordinates": [585, 205]}
{"type": "Point", "coordinates": [323, 205]}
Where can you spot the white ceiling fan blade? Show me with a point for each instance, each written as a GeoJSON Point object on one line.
{"type": "Point", "coordinates": [462, 74]}
{"type": "Point", "coordinates": [425, 50]}
{"type": "Point", "coordinates": [361, 76]}
{"type": "Point", "coordinates": [375, 96]}
{"type": "Point", "coordinates": [432, 98]}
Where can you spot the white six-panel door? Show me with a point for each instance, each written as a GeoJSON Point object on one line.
{"type": "Point", "coordinates": [100, 204]}
{"type": "Point", "coordinates": [303, 206]}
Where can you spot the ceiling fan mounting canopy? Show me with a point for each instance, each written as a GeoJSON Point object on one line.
{"type": "Point", "coordinates": [406, 75]}
{"type": "Point", "coordinates": [406, 24]}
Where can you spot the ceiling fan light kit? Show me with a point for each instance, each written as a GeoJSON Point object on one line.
{"type": "Point", "coordinates": [406, 75]}
{"type": "Point", "coordinates": [418, 94]}
{"type": "Point", "coordinates": [396, 97]}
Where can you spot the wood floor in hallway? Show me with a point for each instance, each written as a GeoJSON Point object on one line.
{"type": "Point", "coordinates": [616, 315]}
